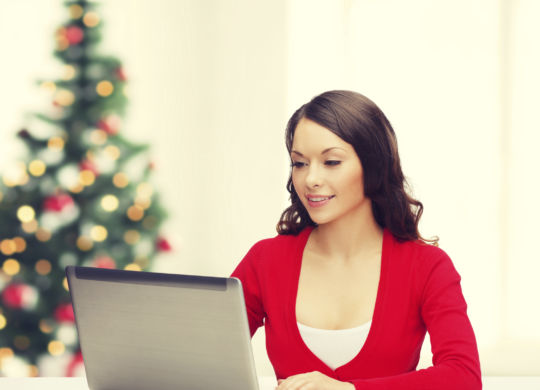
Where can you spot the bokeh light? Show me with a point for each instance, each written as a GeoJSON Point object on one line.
{"type": "Point", "coordinates": [3, 323]}
{"type": "Point", "coordinates": [48, 86]}
{"type": "Point", "coordinates": [135, 213]}
{"type": "Point", "coordinates": [56, 348]}
{"type": "Point", "coordinates": [26, 213]}
{"type": "Point", "coordinates": [69, 72]}
{"type": "Point", "coordinates": [75, 11]}
{"type": "Point", "coordinates": [91, 19]}
{"type": "Point", "coordinates": [120, 180]}
{"type": "Point", "coordinates": [109, 202]}
{"type": "Point", "coordinates": [113, 152]}
{"type": "Point", "coordinates": [30, 226]}
{"type": "Point", "coordinates": [64, 97]}
{"type": "Point", "coordinates": [8, 247]}
{"type": "Point", "coordinates": [133, 267]}
{"type": "Point", "coordinates": [37, 168]}
{"type": "Point", "coordinates": [99, 233]}
{"type": "Point", "coordinates": [11, 267]}
{"type": "Point", "coordinates": [104, 88]}
{"type": "Point", "coordinates": [43, 234]}
{"type": "Point", "coordinates": [132, 236]}
{"type": "Point", "coordinates": [20, 244]}
{"type": "Point", "coordinates": [56, 143]}
{"type": "Point", "coordinates": [98, 137]}
{"type": "Point", "coordinates": [43, 267]}
{"type": "Point", "coordinates": [21, 342]}
{"type": "Point", "coordinates": [87, 177]}
{"type": "Point", "coordinates": [84, 243]}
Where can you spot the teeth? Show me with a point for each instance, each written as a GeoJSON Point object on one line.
{"type": "Point", "coordinates": [320, 199]}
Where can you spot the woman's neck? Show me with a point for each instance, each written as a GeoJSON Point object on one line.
{"type": "Point", "coordinates": [353, 236]}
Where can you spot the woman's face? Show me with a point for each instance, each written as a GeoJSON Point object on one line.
{"type": "Point", "coordinates": [327, 174]}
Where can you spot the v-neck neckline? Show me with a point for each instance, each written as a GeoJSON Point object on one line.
{"type": "Point", "coordinates": [373, 330]}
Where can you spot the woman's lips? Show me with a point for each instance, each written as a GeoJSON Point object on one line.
{"type": "Point", "coordinates": [318, 200]}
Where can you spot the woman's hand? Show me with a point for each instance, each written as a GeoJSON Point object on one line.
{"type": "Point", "coordinates": [312, 381]}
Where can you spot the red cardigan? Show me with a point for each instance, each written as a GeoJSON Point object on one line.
{"type": "Point", "coordinates": [419, 290]}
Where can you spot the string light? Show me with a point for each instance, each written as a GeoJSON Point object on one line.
{"type": "Point", "coordinates": [48, 86]}
{"type": "Point", "coordinates": [56, 348]}
{"type": "Point", "coordinates": [21, 342]}
{"type": "Point", "coordinates": [43, 267]}
{"type": "Point", "coordinates": [37, 168]}
{"type": "Point", "coordinates": [109, 202]}
{"type": "Point", "coordinates": [133, 267]}
{"type": "Point", "coordinates": [135, 213]}
{"type": "Point", "coordinates": [65, 97]}
{"type": "Point", "coordinates": [91, 19]}
{"type": "Point", "coordinates": [43, 234]}
{"type": "Point", "coordinates": [8, 247]}
{"type": "Point", "coordinates": [98, 233]}
{"type": "Point", "coordinates": [75, 11]}
{"type": "Point", "coordinates": [6, 353]}
{"type": "Point", "coordinates": [98, 137]}
{"type": "Point", "coordinates": [30, 226]}
{"type": "Point", "coordinates": [113, 152]}
{"type": "Point", "coordinates": [45, 326]}
{"type": "Point", "coordinates": [11, 267]}
{"type": "Point", "coordinates": [56, 143]}
{"type": "Point", "coordinates": [69, 72]}
{"type": "Point", "coordinates": [26, 213]}
{"type": "Point", "coordinates": [120, 180]}
{"type": "Point", "coordinates": [132, 236]}
{"type": "Point", "coordinates": [20, 244]}
{"type": "Point", "coordinates": [104, 88]}
{"type": "Point", "coordinates": [84, 243]}
{"type": "Point", "coordinates": [149, 222]}
{"type": "Point", "coordinates": [86, 177]}
{"type": "Point", "coordinates": [77, 188]}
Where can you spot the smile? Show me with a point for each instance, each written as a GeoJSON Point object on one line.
{"type": "Point", "coordinates": [318, 201]}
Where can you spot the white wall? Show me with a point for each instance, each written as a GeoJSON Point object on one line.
{"type": "Point", "coordinates": [213, 83]}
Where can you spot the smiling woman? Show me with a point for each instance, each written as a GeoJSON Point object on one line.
{"type": "Point", "coordinates": [349, 288]}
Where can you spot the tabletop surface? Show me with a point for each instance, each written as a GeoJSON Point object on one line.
{"type": "Point", "coordinates": [266, 383]}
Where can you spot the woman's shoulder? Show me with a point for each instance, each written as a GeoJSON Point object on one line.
{"type": "Point", "coordinates": [419, 253]}
{"type": "Point", "coordinates": [281, 242]}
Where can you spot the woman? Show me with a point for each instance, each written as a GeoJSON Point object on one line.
{"type": "Point", "coordinates": [348, 288]}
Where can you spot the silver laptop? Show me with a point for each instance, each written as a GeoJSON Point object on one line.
{"type": "Point", "coordinates": [143, 330]}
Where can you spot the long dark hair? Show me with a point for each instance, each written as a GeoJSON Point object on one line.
{"type": "Point", "coordinates": [359, 122]}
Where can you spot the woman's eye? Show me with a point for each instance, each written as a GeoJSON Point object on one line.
{"type": "Point", "coordinates": [297, 164]}
{"type": "Point", "coordinates": [332, 162]}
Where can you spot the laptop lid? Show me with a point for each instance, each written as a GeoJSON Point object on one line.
{"type": "Point", "coordinates": [143, 330]}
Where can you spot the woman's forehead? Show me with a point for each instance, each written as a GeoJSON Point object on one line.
{"type": "Point", "coordinates": [309, 136]}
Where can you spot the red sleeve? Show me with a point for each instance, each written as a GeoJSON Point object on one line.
{"type": "Point", "coordinates": [456, 363]}
{"type": "Point", "coordinates": [247, 273]}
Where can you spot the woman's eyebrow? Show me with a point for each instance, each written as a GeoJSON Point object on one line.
{"type": "Point", "coordinates": [323, 152]}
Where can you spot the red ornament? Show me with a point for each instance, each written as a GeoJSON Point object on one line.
{"type": "Point", "coordinates": [88, 165]}
{"type": "Point", "coordinates": [120, 75]}
{"type": "Point", "coordinates": [64, 313]}
{"type": "Point", "coordinates": [19, 296]}
{"type": "Point", "coordinates": [75, 366]}
{"type": "Point", "coordinates": [74, 35]}
{"type": "Point", "coordinates": [163, 245]}
{"type": "Point", "coordinates": [104, 262]}
{"type": "Point", "coordinates": [57, 203]}
{"type": "Point", "coordinates": [110, 124]}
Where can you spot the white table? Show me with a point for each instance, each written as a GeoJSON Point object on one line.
{"type": "Point", "coordinates": [266, 383]}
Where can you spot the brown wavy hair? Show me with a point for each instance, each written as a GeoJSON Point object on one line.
{"type": "Point", "coordinates": [358, 121]}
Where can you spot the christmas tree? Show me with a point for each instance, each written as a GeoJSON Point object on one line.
{"type": "Point", "coordinates": [81, 196]}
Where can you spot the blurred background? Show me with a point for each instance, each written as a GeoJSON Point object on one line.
{"type": "Point", "coordinates": [213, 82]}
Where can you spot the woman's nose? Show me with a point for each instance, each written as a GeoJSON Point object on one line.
{"type": "Point", "coordinates": [313, 178]}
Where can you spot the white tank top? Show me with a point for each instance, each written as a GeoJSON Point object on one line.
{"type": "Point", "coordinates": [335, 347]}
